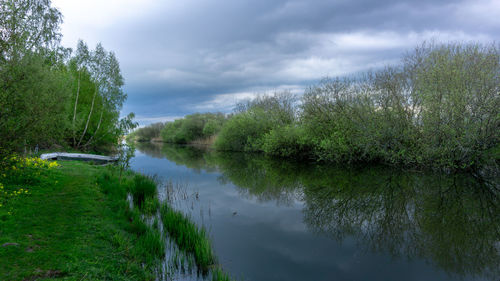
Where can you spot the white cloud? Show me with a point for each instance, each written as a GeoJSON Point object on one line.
{"type": "Point", "coordinates": [143, 120]}
{"type": "Point", "coordinates": [485, 13]}
{"type": "Point", "coordinates": [224, 51]}
{"type": "Point", "coordinates": [226, 102]}
{"type": "Point", "coordinates": [87, 19]}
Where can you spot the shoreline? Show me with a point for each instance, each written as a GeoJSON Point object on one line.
{"type": "Point", "coordinates": [75, 221]}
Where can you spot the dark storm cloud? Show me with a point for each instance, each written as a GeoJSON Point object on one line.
{"type": "Point", "coordinates": [188, 56]}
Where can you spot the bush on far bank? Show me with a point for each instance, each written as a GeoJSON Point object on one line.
{"type": "Point", "coordinates": [439, 107]}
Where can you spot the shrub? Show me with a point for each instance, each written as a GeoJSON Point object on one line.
{"type": "Point", "coordinates": [193, 127]}
{"type": "Point", "coordinates": [246, 130]}
{"type": "Point", "coordinates": [211, 128]}
{"type": "Point", "coordinates": [148, 133]}
{"type": "Point", "coordinates": [286, 141]}
{"type": "Point", "coordinates": [438, 108]}
{"type": "Point", "coordinates": [243, 132]}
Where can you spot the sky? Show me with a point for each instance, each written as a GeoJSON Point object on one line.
{"type": "Point", "coordinates": [182, 57]}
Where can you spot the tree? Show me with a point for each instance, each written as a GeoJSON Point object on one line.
{"type": "Point", "coordinates": [33, 79]}
{"type": "Point", "coordinates": [111, 92]}
{"type": "Point", "coordinates": [81, 62]}
{"type": "Point", "coordinates": [27, 26]}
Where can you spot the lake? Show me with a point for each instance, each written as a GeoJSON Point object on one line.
{"type": "Point", "coordinates": [272, 219]}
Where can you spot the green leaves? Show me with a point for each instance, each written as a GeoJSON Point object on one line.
{"type": "Point", "coordinates": [47, 98]}
{"type": "Point", "coordinates": [439, 108]}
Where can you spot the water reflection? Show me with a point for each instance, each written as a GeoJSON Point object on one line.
{"type": "Point", "coordinates": [451, 222]}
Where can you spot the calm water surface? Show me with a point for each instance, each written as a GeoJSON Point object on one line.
{"type": "Point", "coordinates": [276, 220]}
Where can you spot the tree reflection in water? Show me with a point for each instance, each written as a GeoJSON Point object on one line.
{"type": "Point", "coordinates": [451, 221]}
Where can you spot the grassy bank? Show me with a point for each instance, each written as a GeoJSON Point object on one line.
{"type": "Point", "coordinates": [72, 221]}
{"type": "Point", "coordinates": [70, 226]}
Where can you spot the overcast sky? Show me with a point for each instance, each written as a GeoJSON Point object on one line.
{"type": "Point", "coordinates": [180, 57]}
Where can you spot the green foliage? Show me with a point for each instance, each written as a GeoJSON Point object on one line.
{"type": "Point", "coordinates": [287, 141]}
{"type": "Point", "coordinates": [193, 127]}
{"type": "Point", "coordinates": [246, 130]}
{"type": "Point", "coordinates": [125, 152]}
{"type": "Point", "coordinates": [438, 108]}
{"type": "Point", "coordinates": [211, 127]}
{"type": "Point", "coordinates": [458, 87]}
{"type": "Point", "coordinates": [24, 119]}
{"type": "Point", "coordinates": [97, 97]}
{"type": "Point", "coordinates": [147, 133]}
{"type": "Point", "coordinates": [243, 132]}
{"type": "Point", "coordinates": [47, 96]}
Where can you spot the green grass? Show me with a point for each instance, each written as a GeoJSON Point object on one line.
{"type": "Point", "coordinates": [188, 237]}
{"type": "Point", "coordinates": [219, 275]}
{"type": "Point", "coordinates": [151, 245]}
{"type": "Point", "coordinates": [144, 188]}
{"type": "Point", "coordinates": [150, 205]}
{"type": "Point", "coordinates": [75, 224]}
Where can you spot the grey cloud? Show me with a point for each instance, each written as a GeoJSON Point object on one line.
{"type": "Point", "coordinates": [192, 53]}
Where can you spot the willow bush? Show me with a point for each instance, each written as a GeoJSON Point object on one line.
{"type": "Point", "coordinates": [439, 107]}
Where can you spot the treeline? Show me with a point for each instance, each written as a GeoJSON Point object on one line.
{"type": "Point", "coordinates": [194, 128]}
{"type": "Point", "coordinates": [439, 107]}
{"type": "Point", "coordinates": [147, 133]}
{"type": "Point", "coordinates": [50, 95]}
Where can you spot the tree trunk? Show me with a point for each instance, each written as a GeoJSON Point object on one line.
{"type": "Point", "coordinates": [88, 118]}
{"type": "Point", "coordinates": [98, 125]}
{"type": "Point", "coordinates": [74, 111]}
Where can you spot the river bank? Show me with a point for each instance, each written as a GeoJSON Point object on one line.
{"type": "Point", "coordinates": [273, 220]}
{"type": "Point", "coordinates": [74, 221]}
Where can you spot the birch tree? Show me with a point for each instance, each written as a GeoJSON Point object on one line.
{"type": "Point", "coordinates": [112, 96]}
{"type": "Point", "coordinates": [98, 72]}
{"type": "Point", "coordinates": [81, 59]}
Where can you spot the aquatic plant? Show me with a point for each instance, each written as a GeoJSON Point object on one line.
{"type": "Point", "coordinates": [151, 245]}
{"type": "Point", "coordinates": [219, 275]}
{"type": "Point", "coordinates": [188, 236]}
{"type": "Point", "coordinates": [137, 225]}
{"type": "Point", "coordinates": [143, 187]}
{"type": "Point", "coordinates": [150, 205]}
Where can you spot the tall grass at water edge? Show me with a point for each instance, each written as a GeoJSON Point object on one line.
{"type": "Point", "coordinates": [188, 236]}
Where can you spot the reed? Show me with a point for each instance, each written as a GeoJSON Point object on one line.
{"type": "Point", "coordinates": [144, 187]}
{"type": "Point", "coordinates": [188, 236]}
